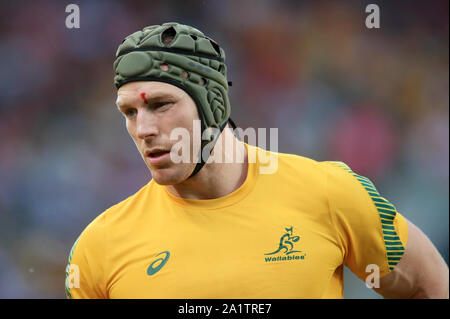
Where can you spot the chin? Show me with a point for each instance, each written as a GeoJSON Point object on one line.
{"type": "Point", "coordinates": [167, 176]}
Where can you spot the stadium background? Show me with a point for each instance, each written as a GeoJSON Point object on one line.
{"type": "Point", "coordinates": [376, 99]}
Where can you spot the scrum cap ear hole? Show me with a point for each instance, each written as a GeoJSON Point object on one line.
{"type": "Point", "coordinates": [215, 46]}
{"type": "Point", "coordinates": [168, 35]}
{"type": "Point", "coordinates": [193, 37]}
{"type": "Point", "coordinates": [202, 81]}
{"type": "Point", "coordinates": [184, 75]}
{"type": "Point", "coordinates": [164, 67]}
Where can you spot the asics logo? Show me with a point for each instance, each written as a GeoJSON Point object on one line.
{"type": "Point", "coordinates": [155, 266]}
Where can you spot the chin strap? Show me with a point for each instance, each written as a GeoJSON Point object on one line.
{"type": "Point", "coordinates": [203, 161]}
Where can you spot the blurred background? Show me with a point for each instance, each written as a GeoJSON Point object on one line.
{"type": "Point", "coordinates": [377, 99]}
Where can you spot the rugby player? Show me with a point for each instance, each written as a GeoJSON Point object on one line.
{"type": "Point", "coordinates": [225, 228]}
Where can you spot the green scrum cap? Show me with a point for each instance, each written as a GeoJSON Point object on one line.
{"type": "Point", "coordinates": [196, 64]}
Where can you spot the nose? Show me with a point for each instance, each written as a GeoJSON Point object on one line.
{"type": "Point", "coordinates": [146, 125]}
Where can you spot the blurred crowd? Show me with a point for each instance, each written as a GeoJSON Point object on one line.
{"type": "Point", "coordinates": [376, 99]}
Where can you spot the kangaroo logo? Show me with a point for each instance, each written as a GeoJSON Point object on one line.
{"type": "Point", "coordinates": [286, 243]}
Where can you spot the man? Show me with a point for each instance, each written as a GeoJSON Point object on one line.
{"type": "Point", "coordinates": [224, 228]}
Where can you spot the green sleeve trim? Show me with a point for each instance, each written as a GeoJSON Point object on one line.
{"type": "Point", "coordinates": [68, 294]}
{"type": "Point", "coordinates": [387, 212]}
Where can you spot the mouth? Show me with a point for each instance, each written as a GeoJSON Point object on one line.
{"type": "Point", "coordinates": [156, 156]}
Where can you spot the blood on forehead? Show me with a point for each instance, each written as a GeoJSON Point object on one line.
{"type": "Point", "coordinates": [144, 98]}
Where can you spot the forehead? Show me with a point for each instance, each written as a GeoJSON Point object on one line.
{"type": "Point", "coordinates": [131, 91]}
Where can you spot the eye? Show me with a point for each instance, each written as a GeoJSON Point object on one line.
{"type": "Point", "coordinates": [130, 112]}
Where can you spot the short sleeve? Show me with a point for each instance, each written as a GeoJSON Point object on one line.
{"type": "Point", "coordinates": [371, 230]}
{"type": "Point", "coordinates": [85, 268]}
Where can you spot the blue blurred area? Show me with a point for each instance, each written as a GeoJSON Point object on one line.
{"type": "Point", "coordinates": [376, 99]}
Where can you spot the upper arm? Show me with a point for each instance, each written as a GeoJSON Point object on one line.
{"type": "Point", "coordinates": [421, 273]}
{"type": "Point", "coordinates": [372, 232]}
{"type": "Point", "coordinates": [85, 269]}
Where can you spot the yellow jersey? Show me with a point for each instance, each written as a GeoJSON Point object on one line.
{"type": "Point", "coordinates": [281, 235]}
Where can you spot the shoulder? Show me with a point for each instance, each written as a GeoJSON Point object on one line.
{"type": "Point", "coordinates": [333, 177]}
{"type": "Point", "coordinates": [126, 207]}
{"type": "Point", "coordinates": [348, 190]}
{"type": "Point", "coordinates": [339, 176]}
{"type": "Point", "coordinates": [302, 163]}
{"type": "Point", "coordinates": [96, 230]}
{"type": "Point", "coordinates": [335, 168]}
{"type": "Point", "coordinates": [286, 163]}
{"type": "Point", "coordinates": [298, 161]}
{"type": "Point", "coordinates": [330, 174]}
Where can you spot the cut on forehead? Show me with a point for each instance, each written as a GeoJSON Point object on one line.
{"type": "Point", "coordinates": [132, 91]}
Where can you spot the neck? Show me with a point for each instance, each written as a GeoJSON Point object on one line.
{"type": "Point", "coordinates": [221, 177]}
